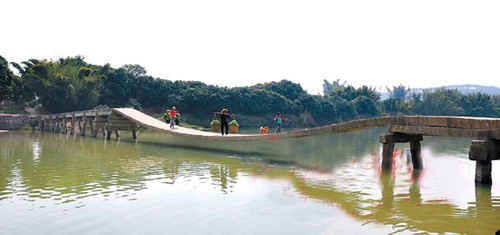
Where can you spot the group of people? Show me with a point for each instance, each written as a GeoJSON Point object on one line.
{"type": "Point", "coordinates": [224, 124]}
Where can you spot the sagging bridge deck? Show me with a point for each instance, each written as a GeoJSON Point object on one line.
{"type": "Point", "coordinates": [485, 132]}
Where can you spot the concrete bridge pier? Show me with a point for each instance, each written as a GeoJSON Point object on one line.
{"type": "Point", "coordinates": [483, 150]}
{"type": "Point", "coordinates": [388, 149]}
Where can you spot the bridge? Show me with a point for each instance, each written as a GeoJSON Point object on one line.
{"type": "Point", "coordinates": [484, 148]}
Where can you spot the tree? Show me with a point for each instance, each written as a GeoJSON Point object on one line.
{"type": "Point", "coordinates": [398, 92]}
{"type": "Point", "coordinates": [329, 88]}
{"type": "Point", "coordinates": [440, 102]}
{"type": "Point", "coordinates": [478, 104]}
{"type": "Point", "coordinates": [286, 88]}
{"type": "Point", "coordinates": [134, 69]}
{"type": "Point", "coordinates": [6, 79]}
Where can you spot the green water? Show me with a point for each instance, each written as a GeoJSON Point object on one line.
{"type": "Point", "coordinates": [328, 184]}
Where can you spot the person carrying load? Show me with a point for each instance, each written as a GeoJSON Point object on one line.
{"type": "Point", "coordinates": [223, 121]}
{"type": "Point", "coordinates": [172, 117]}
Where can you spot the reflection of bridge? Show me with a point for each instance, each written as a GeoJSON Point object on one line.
{"type": "Point", "coordinates": [484, 148]}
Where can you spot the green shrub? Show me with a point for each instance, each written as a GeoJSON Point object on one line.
{"type": "Point", "coordinates": [167, 116]}
{"type": "Point", "coordinates": [25, 127]}
{"type": "Point", "coordinates": [101, 106]}
{"type": "Point", "coordinates": [177, 119]}
{"type": "Point", "coordinates": [234, 123]}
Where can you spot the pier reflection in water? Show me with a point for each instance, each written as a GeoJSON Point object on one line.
{"type": "Point", "coordinates": [323, 184]}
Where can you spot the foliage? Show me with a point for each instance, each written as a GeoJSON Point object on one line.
{"type": "Point", "coordinates": [101, 106]}
{"type": "Point", "coordinates": [440, 102]}
{"type": "Point", "coordinates": [328, 87]}
{"type": "Point", "coordinates": [133, 103]}
{"type": "Point", "coordinates": [6, 80]}
{"type": "Point", "coordinates": [25, 127]}
{"type": "Point", "coordinates": [70, 84]}
{"type": "Point", "coordinates": [177, 117]}
{"type": "Point", "coordinates": [398, 92]}
{"type": "Point", "coordinates": [234, 123]}
{"type": "Point", "coordinates": [214, 122]}
{"type": "Point", "coordinates": [167, 116]}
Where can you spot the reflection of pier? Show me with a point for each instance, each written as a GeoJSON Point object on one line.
{"type": "Point", "coordinates": [484, 148]}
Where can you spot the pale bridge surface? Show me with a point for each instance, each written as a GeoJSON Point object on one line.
{"type": "Point", "coordinates": [413, 125]}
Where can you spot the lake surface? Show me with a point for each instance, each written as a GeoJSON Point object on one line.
{"type": "Point", "coordinates": [327, 184]}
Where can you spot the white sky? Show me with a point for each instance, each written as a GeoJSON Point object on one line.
{"type": "Point", "coordinates": [423, 43]}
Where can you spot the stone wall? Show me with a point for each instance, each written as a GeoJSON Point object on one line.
{"type": "Point", "coordinates": [10, 122]}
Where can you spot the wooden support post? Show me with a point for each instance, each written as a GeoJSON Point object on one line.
{"type": "Point", "coordinates": [57, 125]}
{"type": "Point", "coordinates": [134, 134]}
{"type": "Point", "coordinates": [64, 127]}
{"type": "Point", "coordinates": [40, 124]}
{"type": "Point", "coordinates": [94, 126]}
{"type": "Point", "coordinates": [416, 155]}
{"type": "Point", "coordinates": [83, 125]}
{"type": "Point", "coordinates": [95, 131]}
{"type": "Point", "coordinates": [72, 132]}
{"type": "Point", "coordinates": [108, 134]}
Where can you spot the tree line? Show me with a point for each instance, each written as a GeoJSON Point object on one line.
{"type": "Point", "coordinates": [70, 84]}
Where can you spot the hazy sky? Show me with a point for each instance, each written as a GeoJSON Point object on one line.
{"type": "Point", "coordinates": [423, 43]}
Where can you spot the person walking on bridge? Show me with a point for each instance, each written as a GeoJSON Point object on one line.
{"type": "Point", "coordinates": [223, 121]}
{"type": "Point", "coordinates": [279, 120]}
{"type": "Point", "coordinates": [172, 117]}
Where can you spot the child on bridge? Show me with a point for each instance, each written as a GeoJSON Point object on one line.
{"type": "Point", "coordinates": [279, 120]}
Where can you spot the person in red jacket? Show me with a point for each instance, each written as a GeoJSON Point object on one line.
{"type": "Point", "coordinates": [279, 120]}
{"type": "Point", "coordinates": [172, 116]}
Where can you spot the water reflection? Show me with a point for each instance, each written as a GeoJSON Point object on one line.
{"type": "Point", "coordinates": [338, 172]}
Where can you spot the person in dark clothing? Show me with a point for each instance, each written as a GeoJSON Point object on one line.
{"type": "Point", "coordinates": [223, 121]}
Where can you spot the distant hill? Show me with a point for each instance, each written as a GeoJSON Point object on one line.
{"type": "Point", "coordinates": [465, 89]}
